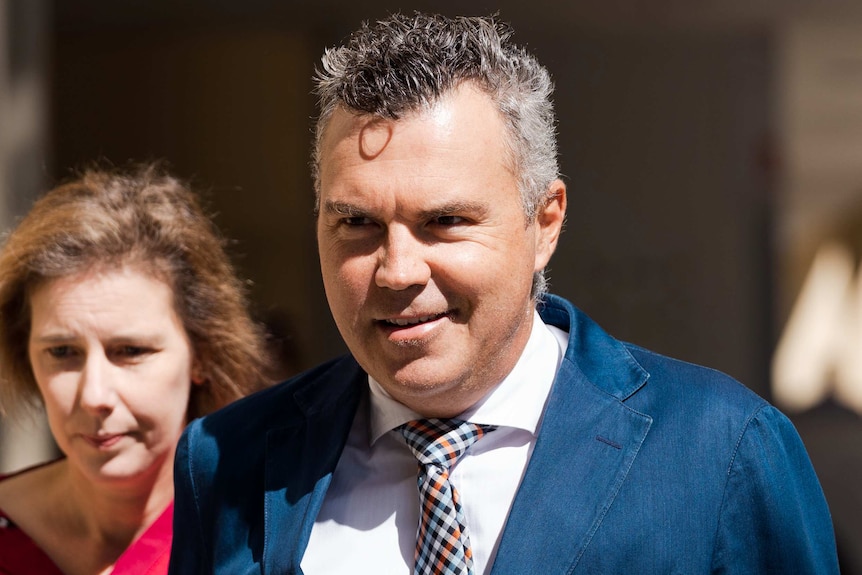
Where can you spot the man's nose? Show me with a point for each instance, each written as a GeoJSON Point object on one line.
{"type": "Point", "coordinates": [402, 260]}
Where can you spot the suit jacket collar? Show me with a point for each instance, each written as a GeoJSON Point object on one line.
{"type": "Point", "coordinates": [603, 360]}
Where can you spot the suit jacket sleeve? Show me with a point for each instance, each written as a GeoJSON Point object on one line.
{"type": "Point", "coordinates": [774, 517]}
{"type": "Point", "coordinates": [188, 552]}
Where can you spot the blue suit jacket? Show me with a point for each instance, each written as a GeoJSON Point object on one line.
{"type": "Point", "coordinates": [643, 465]}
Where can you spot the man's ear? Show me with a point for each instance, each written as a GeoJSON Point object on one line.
{"type": "Point", "coordinates": [550, 218]}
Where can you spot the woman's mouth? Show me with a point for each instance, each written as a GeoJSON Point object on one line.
{"type": "Point", "coordinates": [105, 441]}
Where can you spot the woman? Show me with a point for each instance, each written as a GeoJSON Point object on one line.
{"type": "Point", "coordinates": [121, 315]}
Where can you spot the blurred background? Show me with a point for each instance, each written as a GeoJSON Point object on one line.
{"type": "Point", "coordinates": [712, 149]}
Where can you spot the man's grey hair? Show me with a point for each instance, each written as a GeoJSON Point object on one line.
{"type": "Point", "coordinates": [405, 63]}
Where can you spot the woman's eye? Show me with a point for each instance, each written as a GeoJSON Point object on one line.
{"type": "Point", "coordinates": [132, 351]}
{"type": "Point", "coordinates": [60, 351]}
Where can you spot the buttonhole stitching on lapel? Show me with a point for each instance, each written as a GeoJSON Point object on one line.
{"type": "Point", "coordinates": [613, 444]}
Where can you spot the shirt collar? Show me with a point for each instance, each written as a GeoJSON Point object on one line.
{"type": "Point", "coordinates": [518, 401]}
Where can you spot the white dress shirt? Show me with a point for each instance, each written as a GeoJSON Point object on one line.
{"type": "Point", "coordinates": [370, 513]}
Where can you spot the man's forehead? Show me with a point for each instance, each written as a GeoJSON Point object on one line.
{"type": "Point", "coordinates": [466, 103]}
{"type": "Point", "coordinates": [345, 121]}
{"type": "Point", "coordinates": [348, 123]}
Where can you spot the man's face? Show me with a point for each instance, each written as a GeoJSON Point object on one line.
{"type": "Point", "coordinates": [426, 256]}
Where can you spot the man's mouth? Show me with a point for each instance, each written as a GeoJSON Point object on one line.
{"type": "Point", "coordinates": [408, 321]}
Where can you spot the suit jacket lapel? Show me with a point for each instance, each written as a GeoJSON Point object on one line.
{"type": "Point", "coordinates": [300, 460]}
{"type": "Point", "coordinates": [594, 439]}
{"type": "Point", "coordinates": [586, 445]}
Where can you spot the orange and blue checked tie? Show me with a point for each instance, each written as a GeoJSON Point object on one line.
{"type": "Point", "coordinates": [442, 543]}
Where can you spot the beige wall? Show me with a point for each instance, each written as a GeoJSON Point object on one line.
{"type": "Point", "coordinates": [23, 153]}
{"type": "Point", "coordinates": [818, 94]}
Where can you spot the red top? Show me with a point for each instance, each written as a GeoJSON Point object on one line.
{"type": "Point", "coordinates": [147, 555]}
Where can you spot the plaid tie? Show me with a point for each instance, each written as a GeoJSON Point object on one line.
{"type": "Point", "coordinates": [442, 544]}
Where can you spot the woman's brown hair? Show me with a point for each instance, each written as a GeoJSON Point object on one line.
{"type": "Point", "coordinates": [141, 217]}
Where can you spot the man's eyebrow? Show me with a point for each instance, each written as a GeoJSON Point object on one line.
{"type": "Point", "coordinates": [474, 209]}
{"type": "Point", "coordinates": [344, 209]}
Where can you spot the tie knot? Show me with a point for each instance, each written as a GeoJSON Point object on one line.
{"type": "Point", "coordinates": [441, 441]}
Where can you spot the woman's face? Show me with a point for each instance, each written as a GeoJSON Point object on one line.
{"type": "Point", "coordinates": [114, 366]}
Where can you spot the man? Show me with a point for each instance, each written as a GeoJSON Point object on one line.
{"type": "Point", "coordinates": [564, 450]}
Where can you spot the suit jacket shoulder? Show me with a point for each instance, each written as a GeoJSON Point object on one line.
{"type": "Point", "coordinates": [648, 464]}
{"type": "Point", "coordinates": [245, 475]}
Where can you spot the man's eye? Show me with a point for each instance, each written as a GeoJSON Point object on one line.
{"type": "Point", "coordinates": [357, 221]}
{"type": "Point", "coordinates": [449, 220]}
